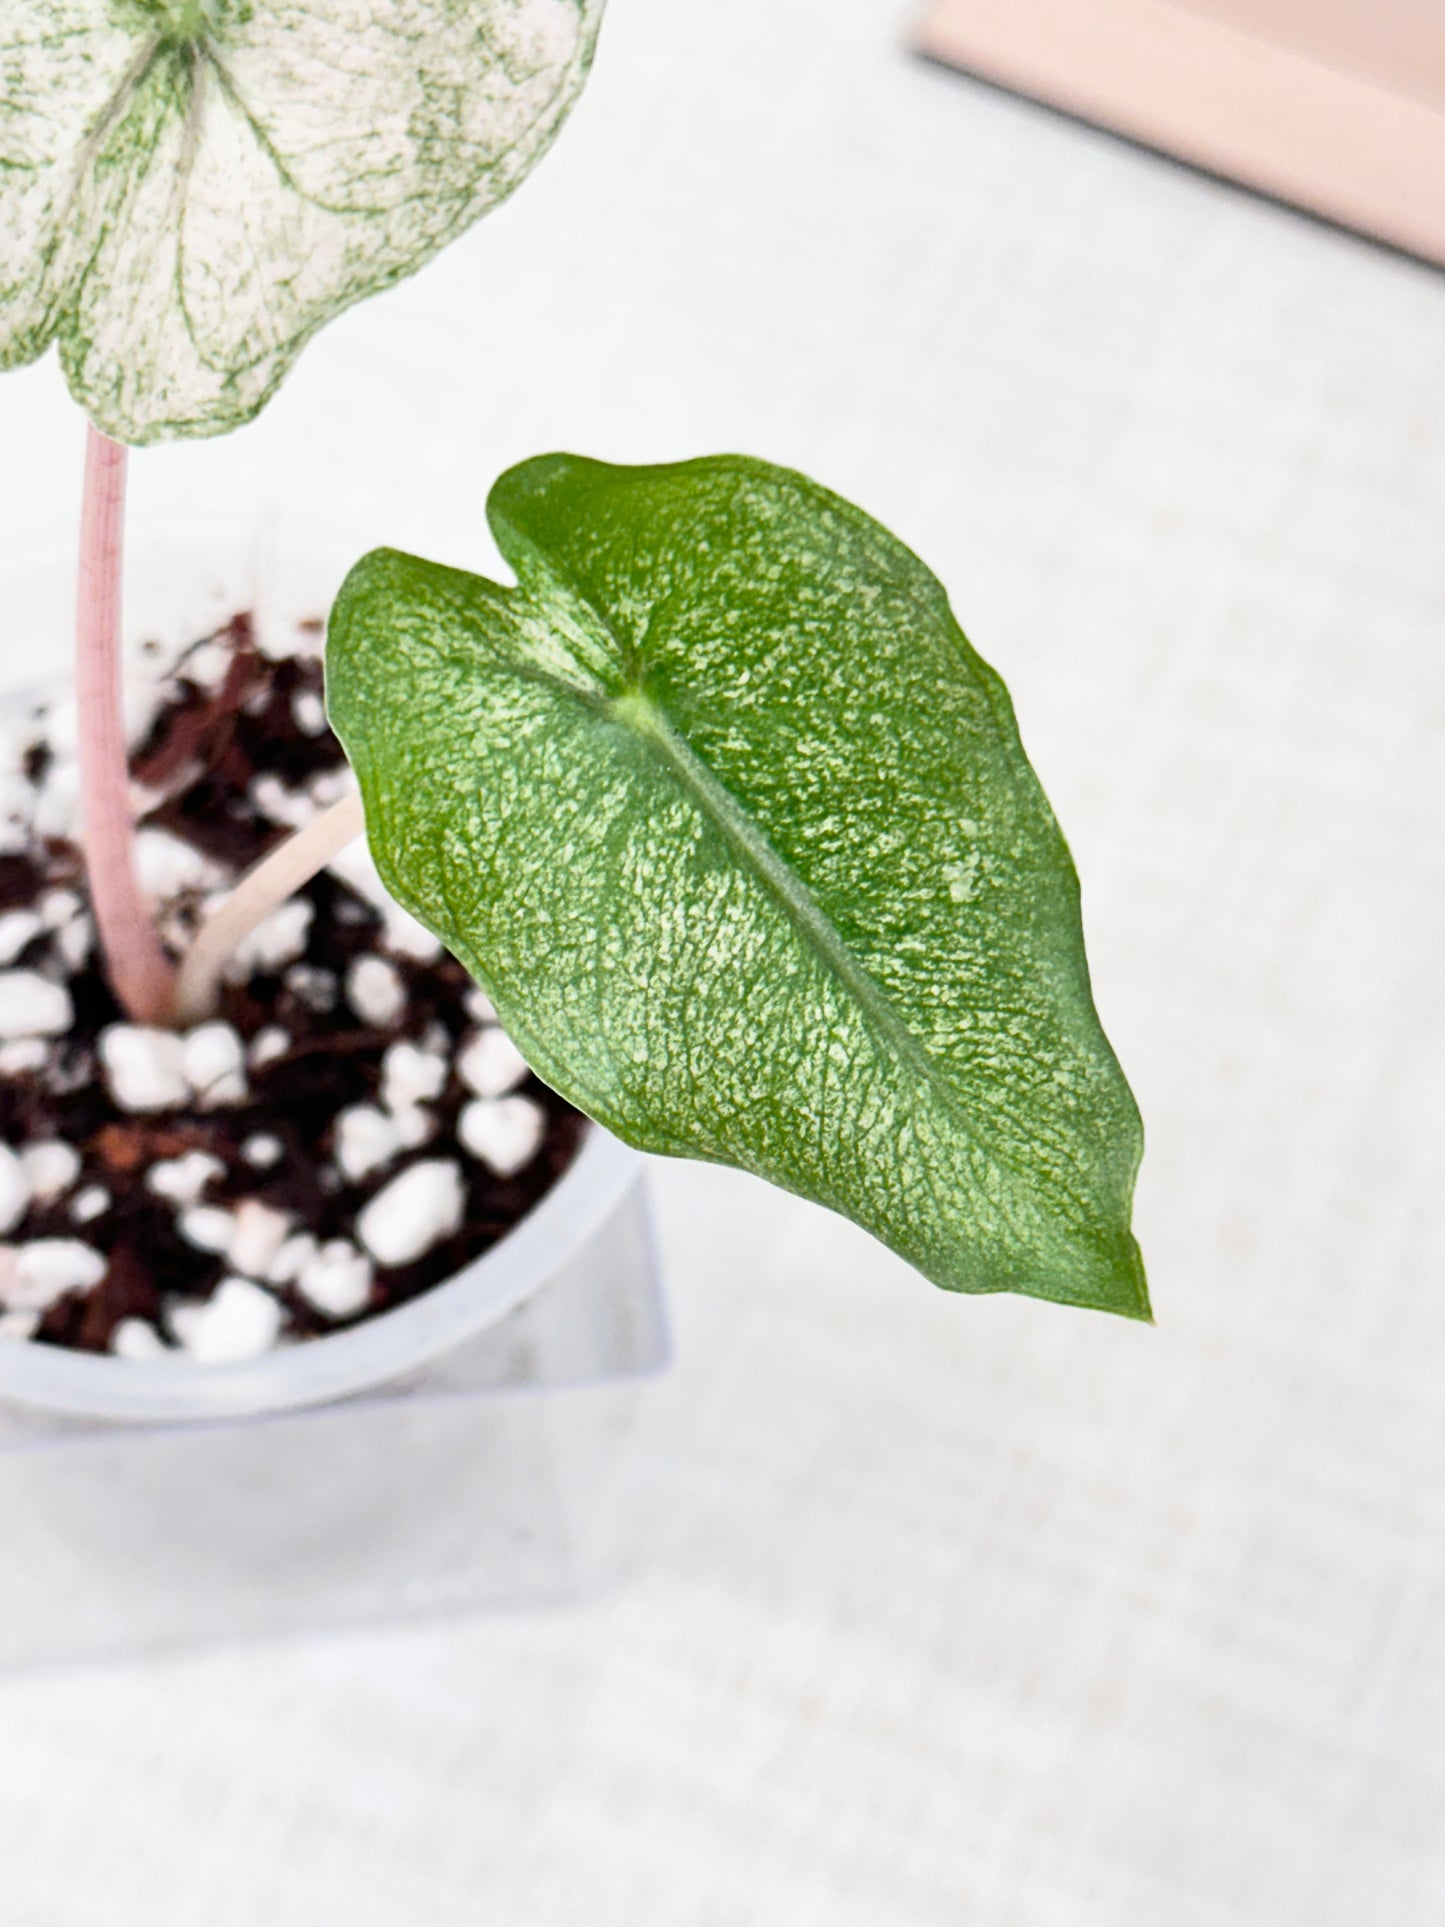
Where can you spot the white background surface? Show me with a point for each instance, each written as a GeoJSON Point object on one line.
{"type": "Point", "coordinates": [951, 1611]}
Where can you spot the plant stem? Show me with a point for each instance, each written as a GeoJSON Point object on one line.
{"type": "Point", "coordinates": [263, 889]}
{"type": "Point", "coordinates": [141, 974]}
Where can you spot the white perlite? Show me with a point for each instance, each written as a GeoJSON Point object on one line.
{"type": "Point", "coordinates": [479, 1006]}
{"type": "Point", "coordinates": [138, 1340]}
{"type": "Point", "coordinates": [55, 808]}
{"type": "Point", "coordinates": [291, 1260]}
{"type": "Point", "coordinates": [33, 1006]}
{"type": "Point", "coordinates": [375, 991]}
{"type": "Point", "coordinates": [155, 1070]}
{"type": "Point", "coordinates": [215, 1059]}
{"type": "Point", "coordinates": [262, 1150]}
{"type": "Point", "coordinates": [167, 865]}
{"type": "Point", "coordinates": [259, 1233]}
{"type": "Point", "coordinates": [239, 1321]}
{"type": "Point", "coordinates": [490, 1064]}
{"type": "Point", "coordinates": [268, 1045]}
{"type": "Point", "coordinates": [273, 944]}
{"type": "Point", "coordinates": [58, 908]}
{"type": "Point", "coordinates": [366, 1140]}
{"type": "Point", "coordinates": [34, 1275]}
{"type": "Point", "coordinates": [144, 1068]}
{"type": "Point", "coordinates": [414, 1212]}
{"type": "Point", "coordinates": [411, 1075]}
{"type": "Point", "coordinates": [74, 940]}
{"type": "Point", "coordinates": [504, 1133]}
{"type": "Point", "coordinates": [23, 1054]}
{"type": "Point", "coordinates": [317, 988]}
{"type": "Point", "coordinates": [89, 1204]}
{"type": "Point", "coordinates": [15, 1190]}
{"type": "Point", "coordinates": [309, 712]}
{"type": "Point", "coordinates": [52, 1166]}
{"type": "Point", "coordinates": [337, 1280]}
{"type": "Point", "coordinates": [328, 786]}
{"type": "Point", "coordinates": [209, 1227]}
{"type": "Point", "coordinates": [183, 1179]}
{"type": "Point", "coordinates": [404, 935]}
{"type": "Point", "coordinates": [274, 800]}
{"type": "Point", "coordinates": [17, 928]}
{"type": "Point", "coordinates": [206, 665]}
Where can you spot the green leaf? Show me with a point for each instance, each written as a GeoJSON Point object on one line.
{"type": "Point", "coordinates": [736, 831]}
{"type": "Point", "coordinates": [189, 189]}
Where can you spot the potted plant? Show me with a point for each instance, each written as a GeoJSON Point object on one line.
{"type": "Point", "coordinates": [711, 828]}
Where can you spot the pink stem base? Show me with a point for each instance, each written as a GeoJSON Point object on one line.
{"type": "Point", "coordinates": [141, 974]}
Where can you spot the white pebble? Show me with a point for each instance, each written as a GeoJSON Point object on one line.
{"type": "Point", "coordinates": [239, 1321]}
{"type": "Point", "coordinates": [414, 1212]}
{"type": "Point", "coordinates": [167, 865]}
{"type": "Point", "coordinates": [260, 1231]}
{"type": "Point", "coordinates": [19, 1325]}
{"type": "Point", "coordinates": [274, 943]}
{"type": "Point", "coordinates": [138, 1340]}
{"type": "Point", "coordinates": [262, 1150]}
{"type": "Point", "coordinates": [14, 1189]}
{"type": "Point", "coordinates": [268, 1045]}
{"type": "Point", "coordinates": [32, 1006]}
{"type": "Point", "coordinates": [51, 1166]}
{"type": "Point", "coordinates": [144, 1068]}
{"type": "Point", "coordinates": [23, 1054]}
{"type": "Point", "coordinates": [17, 928]}
{"type": "Point", "coordinates": [490, 1064]}
{"type": "Point", "coordinates": [366, 1139]}
{"type": "Point", "coordinates": [375, 991]}
{"type": "Point", "coordinates": [505, 1133]}
{"type": "Point", "coordinates": [309, 712]}
{"type": "Point", "coordinates": [214, 1060]}
{"type": "Point", "coordinates": [337, 1281]}
{"type": "Point", "coordinates": [291, 1260]}
{"type": "Point", "coordinates": [183, 1179]}
{"type": "Point", "coordinates": [89, 1204]}
{"type": "Point", "coordinates": [36, 1274]}
{"type": "Point", "coordinates": [410, 1075]}
{"type": "Point", "coordinates": [479, 1006]}
{"type": "Point", "coordinates": [209, 1227]}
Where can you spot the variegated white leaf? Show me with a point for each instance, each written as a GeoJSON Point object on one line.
{"type": "Point", "coordinates": [189, 189]}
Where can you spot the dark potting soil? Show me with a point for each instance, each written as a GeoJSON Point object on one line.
{"type": "Point", "coordinates": [352, 1063]}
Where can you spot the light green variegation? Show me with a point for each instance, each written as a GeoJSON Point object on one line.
{"type": "Point", "coordinates": [736, 830]}
{"type": "Point", "coordinates": [189, 189]}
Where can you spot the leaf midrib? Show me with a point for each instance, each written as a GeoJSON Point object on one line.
{"type": "Point", "coordinates": [641, 714]}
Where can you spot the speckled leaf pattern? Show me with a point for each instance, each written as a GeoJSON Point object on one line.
{"type": "Point", "coordinates": [736, 830]}
{"type": "Point", "coordinates": [189, 189]}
